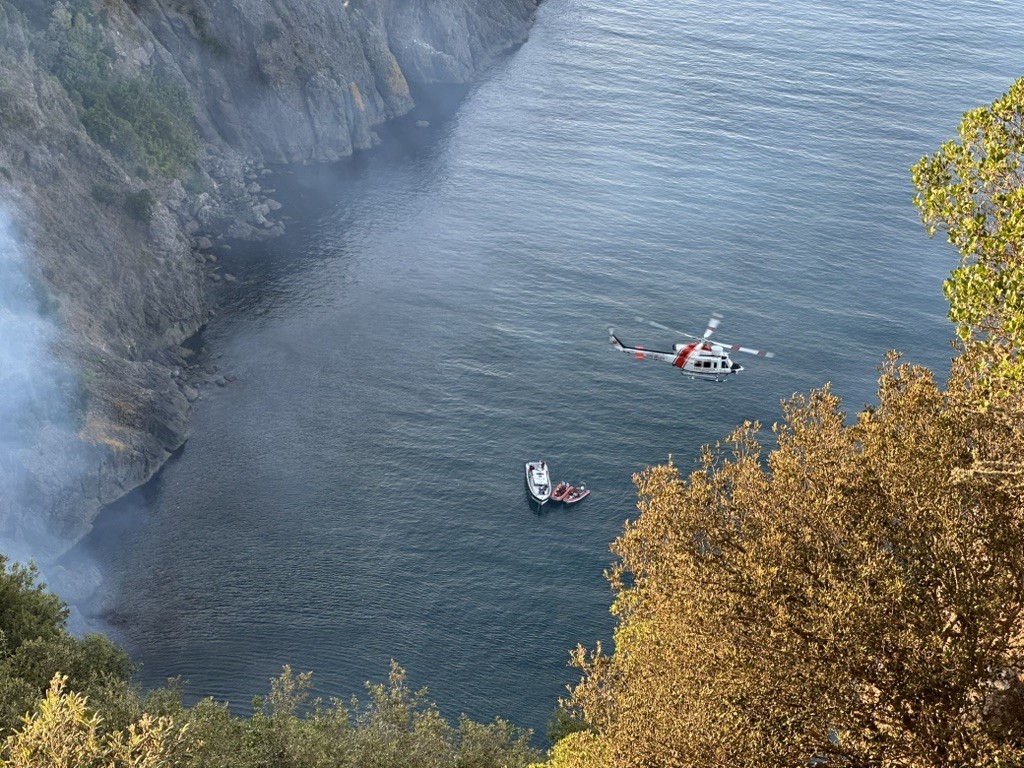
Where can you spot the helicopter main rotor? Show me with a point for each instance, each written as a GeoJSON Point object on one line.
{"type": "Point", "coordinates": [713, 322]}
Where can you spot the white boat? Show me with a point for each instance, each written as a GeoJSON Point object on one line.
{"type": "Point", "coordinates": [538, 481]}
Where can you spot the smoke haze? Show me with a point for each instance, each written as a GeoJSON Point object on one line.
{"type": "Point", "coordinates": [39, 400]}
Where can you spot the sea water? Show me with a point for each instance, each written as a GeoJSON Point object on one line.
{"type": "Point", "coordinates": [437, 315]}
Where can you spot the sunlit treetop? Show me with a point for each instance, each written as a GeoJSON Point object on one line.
{"type": "Point", "coordinates": [973, 189]}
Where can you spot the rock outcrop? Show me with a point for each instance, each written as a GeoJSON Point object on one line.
{"type": "Point", "coordinates": [114, 253]}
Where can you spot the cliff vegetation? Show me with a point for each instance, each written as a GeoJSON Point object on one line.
{"type": "Point", "coordinates": [136, 135]}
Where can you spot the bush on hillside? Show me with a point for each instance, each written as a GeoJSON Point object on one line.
{"type": "Point", "coordinates": [148, 121]}
{"type": "Point", "coordinates": [853, 596]}
{"type": "Point", "coordinates": [35, 645]}
{"type": "Point", "coordinates": [81, 708]}
{"type": "Point", "coordinates": [140, 205]}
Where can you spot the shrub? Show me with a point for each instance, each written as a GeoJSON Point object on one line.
{"type": "Point", "coordinates": [214, 44]}
{"type": "Point", "coordinates": [271, 31]}
{"type": "Point", "coordinates": [148, 121]}
{"type": "Point", "coordinates": [35, 645]}
{"type": "Point", "coordinates": [198, 183]}
{"type": "Point", "coordinates": [101, 193]}
{"type": "Point", "coordinates": [140, 205]}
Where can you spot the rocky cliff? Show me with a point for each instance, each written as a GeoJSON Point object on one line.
{"type": "Point", "coordinates": [110, 238]}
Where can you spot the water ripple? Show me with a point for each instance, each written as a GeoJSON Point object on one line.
{"type": "Point", "coordinates": [437, 315]}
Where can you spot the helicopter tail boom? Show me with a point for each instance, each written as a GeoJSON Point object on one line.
{"type": "Point", "coordinates": [639, 352]}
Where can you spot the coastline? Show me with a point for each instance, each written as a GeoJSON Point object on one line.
{"type": "Point", "coordinates": [132, 294]}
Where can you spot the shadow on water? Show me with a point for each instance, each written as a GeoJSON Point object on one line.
{"type": "Point", "coordinates": [326, 193]}
{"type": "Point", "coordinates": [100, 611]}
{"type": "Point", "coordinates": [405, 139]}
{"type": "Point", "coordinates": [265, 271]}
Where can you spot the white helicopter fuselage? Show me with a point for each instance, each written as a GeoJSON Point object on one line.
{"type": "Point", "coordinates": [704, 359]}
{"type": "Point", "coordinates": [700, 359]}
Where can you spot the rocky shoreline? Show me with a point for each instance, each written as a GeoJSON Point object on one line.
{"type": "Point", "coordinates": [124, 261]}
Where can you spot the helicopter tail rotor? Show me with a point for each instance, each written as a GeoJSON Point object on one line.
{"type": "Point", "coordinates": [615, 341]}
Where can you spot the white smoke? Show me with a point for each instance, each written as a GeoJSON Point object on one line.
{"type": "Point", "coordinates": [37, 394]}
{"type": "Point", "coordinates": [40, 403]}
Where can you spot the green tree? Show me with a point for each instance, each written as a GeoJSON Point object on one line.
{"type": "Point", "coordinates": [35, 645]}
{"type": "Point", "coordinates": [28, 611]}
{"type": "Point", "coordinates": [973, 189]}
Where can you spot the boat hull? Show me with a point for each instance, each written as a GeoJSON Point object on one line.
{"type": "Point", "coordinates": [538, 481]}
{"type": "Point", "coordinates": [579, 496]}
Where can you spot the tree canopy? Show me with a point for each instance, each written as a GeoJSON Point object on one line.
{"type": "Point", "coordinates": [849, 596]}
{"type": "Point", "coordinates": [973, 189]}
{"type": "Point", "coordinates": [35, 646]}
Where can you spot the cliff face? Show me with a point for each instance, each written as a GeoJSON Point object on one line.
{"type": "Point", "coordinates": [296, 81]}
{"type": "Point", "coordinates": [114, 254]}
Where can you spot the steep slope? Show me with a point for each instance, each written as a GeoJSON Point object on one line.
{"type": "Point", "coordinates": [112, 249]}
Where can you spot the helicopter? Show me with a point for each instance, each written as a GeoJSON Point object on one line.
{"type": "Point", "coordinates": [700, 358]}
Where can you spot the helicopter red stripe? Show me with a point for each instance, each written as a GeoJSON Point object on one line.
{"type": "Point", "coordinates": [684, 354]}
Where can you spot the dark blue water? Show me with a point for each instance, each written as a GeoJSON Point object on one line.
{"type": "Point", "coordinates": [437, 315]}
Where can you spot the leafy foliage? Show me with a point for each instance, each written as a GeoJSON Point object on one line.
{"type": "Point", "coordinates": [27, 610]}
{"type": "Point", "coordinates": [146, 120]}
{"type": "Point", "coordinates": [140, 205]}
{"type": "Point", "coordinates": [974, 191]}
{"type": "Point", "coordinates": [63, 732]}
{"type": "Point", "coordinates": [564, 723]}
{"type": "Point", "coordinates": [103, 193]}
{"type": "Point", "coordinates": [851, 599]}
{"type": "Point", "coordinates": [35, 645]}
{"type": "Point", "coordinates": [36, 12]}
